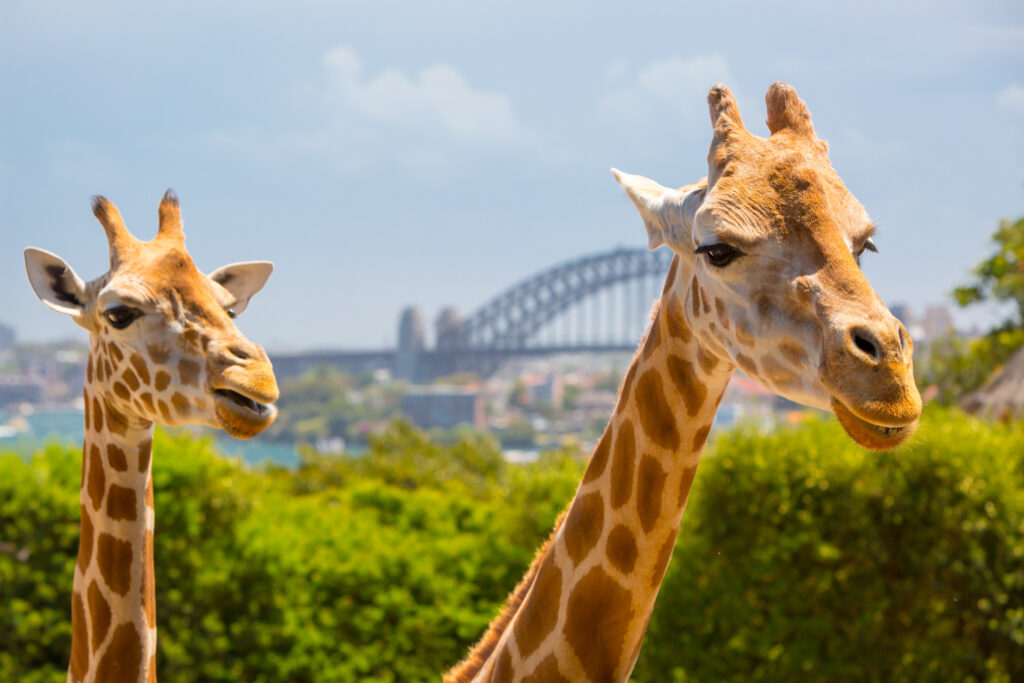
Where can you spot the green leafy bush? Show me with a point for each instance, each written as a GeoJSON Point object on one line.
{"type": "Point", "coordinates": [801, 557]}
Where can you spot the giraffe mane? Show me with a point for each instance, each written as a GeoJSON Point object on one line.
{"type": "Point", "coordinates": [466, 670]}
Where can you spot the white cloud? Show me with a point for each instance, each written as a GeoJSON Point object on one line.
{"type": "Point", "coordinates": [1012, 98]}
{"type": "Point", "coordinates": [429, 123]}
{"type": "Point", "coordinates": [665, 84]}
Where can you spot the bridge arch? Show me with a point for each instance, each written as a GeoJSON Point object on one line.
{"type": "Point", "coordinates": [510, 320]}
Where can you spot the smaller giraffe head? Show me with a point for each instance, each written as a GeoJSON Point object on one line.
{"type": "Point", "coordinates": [164, 347]}
{"type": "Point", "coordinates": [769, 248]}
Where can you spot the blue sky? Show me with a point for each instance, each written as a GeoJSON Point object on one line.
{"type": "Point", "coordinates": [394, 153]}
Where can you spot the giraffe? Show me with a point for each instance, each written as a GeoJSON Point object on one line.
{"type": "Point", "coordinates": [765, 278]}
{"type": "Point", "coordinates": [162, 349]}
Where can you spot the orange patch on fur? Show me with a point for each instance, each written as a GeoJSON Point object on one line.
{"type": "Point", "coordinates": [599, 459]}
{"type": "Point", "coordinates": [122, 660]}
{"type": "Point", "coordinates": [655, 414]}
{"type": "Point", "coordinates": [114, 558]}
{"type": "Point", "coordinates": [148, 583]}
{"type": "Point", "coordinates": [583, 526]}
{"type": "Point", "coordinates": [121, 503]}
{"type": "Point", "coordinates": [141, 369]}
{"type": "Point", "coordinates": [79, 639]}
{"type": "Point", "coordinates": [621, 549]}
{"type": "Point", "coordinates": [622, 465]}
{"type": "Point", "coordinates": [161, 380]}
{"type": "Point", "coordinates": [540, 614]}
{"type": "Point", "coordinates": [650, 484]}
{"type": "Point", "coordinates": [598, 614]}
{"type": "Point", "coordinates": [99, 610]}
{"type": "Point", "coordinates": [97, 482]}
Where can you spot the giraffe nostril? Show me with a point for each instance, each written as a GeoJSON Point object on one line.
{"type": "Point", "coordinates": [239, 352]}
{"type": "Point", "coordinates": [865, 344]}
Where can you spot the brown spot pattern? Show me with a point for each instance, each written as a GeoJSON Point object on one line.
{"type": "Point", "coordinates": [79, 639]}
{"type": "Point", "coordinates": [159, 354]}
{"type": "Point", "coordinates": [164, 411]}
{"type": "Point", "coordinates": [539, 615]}
{"type": "Point", "coordinates": [744, 334]}
{"type": "Point", "coordinates": [653, 338]}
{"type": "Point", "coordinates": [598, 614]}
{"type": "Point", "coordinates": [145, 451]}
{"type": "Point", "coordinates": [627, 386]}
{"type": "Point", "coordinates": [700, 437]}
{"type": "Point", "coordinates": [121, 391]}
{"type": "Point", "coordinates": [671, 274]}
{"type": "Point", "coordinates": [122, 660]}
{"type": "Point", "coordinates": [705, 306]}
{"type": "Point", "coordinates": [720, 310]}
{"type": "Point", "coordinates": [746, 363]}
{"type": "Point", "coordinates": [622, 465]}
{"type": "Point", "coordinates": [147, 400]}
{"type": "Point", "coordinates": [99, 610]}
{"type": "Point", "coordinates": [130, 379]}
{"type": "Point", "coordinates": [676, 324]}
{"type": "Point", "coordinates": [599, 459]}
{"type": "Point", "coordinates": [114, 558]}
{"type": "Point", "coordinates": [664, 556]}
{"type": "Point", "coordinates": [148, 579]}
{"type": "Point", "coordinates": [189, 372]}
{"type": "Point", "coordinates": [97, 416]}
{"type": "Point", "coordinates": [88, 370]}
{"type": "Point", "coordinates": [547, 671]}
{"type": "Point", "coordinates": [97, 479]}
{"type": "Point", "coordinates": [650, 484]}
{"type": "Point", "coordinates": [116, 422]}
{"type": "Point", "coordinates": [115, 353]}
{"type": "Point", "coordinates": [655, 414]}
{"type": "Point", "coordinates": [140, 368]}
{"type": "Point", "coordinates": [695, 297]}
{"type": "Point", "coordinates": [793, 352]}
{"type": "Point", "coordinates": [621, 549]}
{"type": "Point", "coordinates": [116, 458]}
{"type": "Point", "coordinates": [502, 668]}
{"type": "Point", "coordinates": [85, 541]}
{"type": "Point", "coordinates": [583, 526]}
{"type": "Point", "coordinates": [685, 482]}
{"type": "Point", "coordinates": [121, 503]}
{"type": "Point", "coordinates": [181, 405]}
{"type": "Point", "coordinates": [692, 390]}
{"type": "Point", "coordinates": [706, 361]}
{"type": "Point", "coordinates": [161, 380]}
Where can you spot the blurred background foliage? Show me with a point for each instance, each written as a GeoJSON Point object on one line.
{"type": "Point", "coordinates": [801, 557]}
{"type": "Point", "coordinates": [950, 367]}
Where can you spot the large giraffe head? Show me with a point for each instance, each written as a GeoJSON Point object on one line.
{"type": "Point", "coordinates": [164, 346]}
{"type": "Point", "coordinates": [768, 275]}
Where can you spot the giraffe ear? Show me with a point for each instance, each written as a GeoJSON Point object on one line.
{"type": "Point", "coordinates": [242, 280]}
{"type": "Point", "coordinates": [55, 282]}
{"type": "Point", "coordinates": [667, 213]}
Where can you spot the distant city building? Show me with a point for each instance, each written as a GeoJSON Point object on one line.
{"type": "Point", "coordinates": [7, 337]}
{"type": "Point", "coordinates": [937, 322]}
{"type": "Point", "coordinates": [411, 343]}
{"type": "Point", "coordinates": [15, 389]}
{"type": "Point", "coordinates": [445, 407]}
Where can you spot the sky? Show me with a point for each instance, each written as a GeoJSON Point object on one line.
{"type": "Point", "coordinates": [388, 154]}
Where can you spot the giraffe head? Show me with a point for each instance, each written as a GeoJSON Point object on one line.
{"type": "Point", "coordinates": [164, 346]}
{"type": "Point", "coordinates": [768, 276]}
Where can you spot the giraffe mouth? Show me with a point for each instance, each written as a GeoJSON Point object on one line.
{"type": "Point", "coordinates": [241, 416]}
{"type": "Point", "coordinates": [868, 434]}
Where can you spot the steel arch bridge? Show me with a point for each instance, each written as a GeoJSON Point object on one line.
{"type": "Point", "coordinates": [512, 320]}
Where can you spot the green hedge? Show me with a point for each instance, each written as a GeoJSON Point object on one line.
{"type": "Point", "coordinates": [801, 557]}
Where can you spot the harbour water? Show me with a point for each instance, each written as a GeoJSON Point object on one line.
{"type": "Point", "coordinates": [28, 432]}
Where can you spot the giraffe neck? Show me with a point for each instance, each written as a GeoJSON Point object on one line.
{"type": "Point", "coordinates": [113, 608]}
{"type": "Point", "coordinates": [584, 606]}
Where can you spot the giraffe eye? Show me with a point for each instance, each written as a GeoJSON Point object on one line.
{"type": "Point", "coordinates": [231, 313]}
{"type": "Point", "coordinates": [869, 245]}
{"type": "Point", "coordinates": [121, 317]}
{"type": "Point", "coordinates": [719, 255]}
